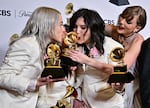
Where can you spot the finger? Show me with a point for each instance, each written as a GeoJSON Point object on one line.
{"type": "Point", "coordinates": [42, 79]}
{"type": "Point", "coordinates": [57, 79]}
{"type": "Point", "coordinates": [112, 84]}
{"type": "Point", "coordinates": [118, 84]}
{"type": "Point", "coordinates": [49, 77]}
{"type": "Point", "coordinates": [73, 68]}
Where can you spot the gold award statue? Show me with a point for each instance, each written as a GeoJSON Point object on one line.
{"type": "Point", "coordinates": [71, 93]}
{"type": "Point", "coordinates": [69, 11]}
{"type": "Point", "coordinates": [70, 42]}
{"type": "Point", "coordinates": [52, 63]}
{"type": "Point", "coordinates": [63, 102]}
{"type": "Point", "coordinates": [119, 73]}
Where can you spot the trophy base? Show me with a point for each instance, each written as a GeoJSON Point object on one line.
{"type": "Point", "coordinates": [121, 78]}
{"type": "Point", "coordinates": [54, 71]}
{"type": "Point", "coordinates": [67, 61]}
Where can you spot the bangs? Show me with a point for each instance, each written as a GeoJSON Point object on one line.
{"type": "Point", "coordinates": [127, 16]}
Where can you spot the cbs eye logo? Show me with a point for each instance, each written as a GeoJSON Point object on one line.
{"type": "Point", "coordinates": [107, 21]}
{"type": "Point", "coordinates": [5, 13]}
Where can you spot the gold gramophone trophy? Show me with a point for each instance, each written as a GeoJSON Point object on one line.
{"type": "Point", "coordinates": [70, 43]}
{"type": "Point", "coordinates": [119, 73]}
{"type": "Point", "coordinates": [71, 92]}
{"type": "Point", "coordinates": [52, 63]}
{"type": "Point", "coordinates": [69, 12]}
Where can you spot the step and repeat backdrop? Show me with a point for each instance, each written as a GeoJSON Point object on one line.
{"type": "Point", "coordinates": [14, 14]}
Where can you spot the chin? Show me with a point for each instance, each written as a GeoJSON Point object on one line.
{"type": "Point", "coordinates": [80, 42]}
{"type": "Point", "coordinates": [120, 31]}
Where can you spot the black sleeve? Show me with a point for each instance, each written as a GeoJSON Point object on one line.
{"type": "Point", "coordinates": [144, 73]}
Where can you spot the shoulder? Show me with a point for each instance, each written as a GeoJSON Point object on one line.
{"type": "Point", "coordinates": [111, 44]}
{"type": "Point", "coordinates": [25, 43]}
{"type": "Point", "coordinates": [138, 38]}
{"type": "Point", "coordinates": [137, 41]}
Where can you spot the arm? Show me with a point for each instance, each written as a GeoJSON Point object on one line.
{"type": "Point", "coordinates": [10, 72]}
{"type": "Point", "coordinates": [18, 71]}
{"type": "Point", "coordinates": [133, 50]}
{"type": "Point", "coordinates": [111, 31]}
{"type": "Point", "coordinates": [134, 47]}
{"type": "Point", "coordinates": [84, 59]}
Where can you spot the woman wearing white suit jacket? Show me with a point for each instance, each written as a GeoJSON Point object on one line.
{"type": "Point", "coordinates": [97, 66]}
{"type": "Point", "coordinates": [23, 64]}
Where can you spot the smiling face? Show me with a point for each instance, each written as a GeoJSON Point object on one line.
{"type": "Point", "coordinates": [127, 27]}
{"type": "Point", "coordinates": [82, 31]}
{"type": "Point", "coordinates": [131, 20]}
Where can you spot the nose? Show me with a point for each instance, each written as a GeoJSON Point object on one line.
{"type": "Point", "coordinates": [122, 21]}
{"type": "Point", "coordinates": [77, 30]}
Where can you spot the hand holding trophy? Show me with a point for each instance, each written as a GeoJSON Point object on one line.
{"type": "Point", "coordinates": [52, 63]}
{"type": "Point", "coordinates": [119, 73]}
{"type": "Point", "coordinates": [70, 43]}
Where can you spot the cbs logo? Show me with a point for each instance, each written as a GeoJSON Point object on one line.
{"type": "Point", "coordinates": [5, 13]}
{"type": "Point", "coordinates": [107, 21]}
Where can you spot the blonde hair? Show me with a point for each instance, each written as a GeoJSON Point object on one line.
{"type": "Point", "coordinates": [42, 24]}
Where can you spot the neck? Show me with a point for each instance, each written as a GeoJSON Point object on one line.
{"type": "Point", "coordinates": [130, 35]}
{"type": "Point", "coordinates": [126, 40]}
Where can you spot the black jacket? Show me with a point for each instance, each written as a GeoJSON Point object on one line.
{"type": "Point", "coordinates": [144, 73]}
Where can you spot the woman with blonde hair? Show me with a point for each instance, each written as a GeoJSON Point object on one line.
{"type": "Point", "coordinates": [20, 72]}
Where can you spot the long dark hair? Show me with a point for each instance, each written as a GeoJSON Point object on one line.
{"type": "Point", "coordinates": [94, 22]}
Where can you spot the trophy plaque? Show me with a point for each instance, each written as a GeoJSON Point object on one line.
{"type": "Point", "coordinates": [120, 73]}
{"type": "Point", "coordinates": [69, 44]}
{"type": "Point", "coordinates": [52, 63]}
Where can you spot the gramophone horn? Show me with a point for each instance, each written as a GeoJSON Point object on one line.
{"type": "Point", "coordinates": [69, 9]}
{"type": "Point", "coordinates": [117, 54]}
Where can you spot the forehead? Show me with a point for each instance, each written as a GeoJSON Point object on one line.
{"type": "Point", "coordinates": [59, 18]}
{"type": "Point", "coordinates": [130, 18]}
{"type": "Point", "coordinates": [80, 21]}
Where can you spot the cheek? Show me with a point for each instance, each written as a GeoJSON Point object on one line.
{"type": "Point", "coordinates": [83, 39]}
{"type": "Point", "coordinates": [87, 38]}
{"type": "Point", "coordinates": [57, 37]}
{"type": "Point", "coordinates": [60, 38]}
{"type": "Point", "coordinates": [130, 29]}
